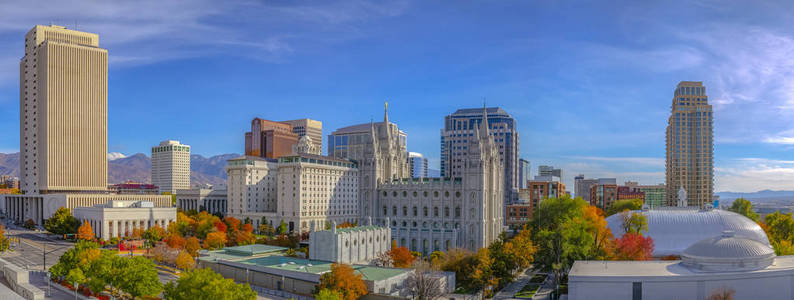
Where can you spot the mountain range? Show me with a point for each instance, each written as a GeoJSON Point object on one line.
{"type": "Point", "coordinates": [138, 167]}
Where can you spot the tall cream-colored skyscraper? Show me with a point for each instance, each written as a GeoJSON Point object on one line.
{"type": "Point", "coordinates": [690, 145]}
{"type": "Point", "coordinates": [308, 127]}
{"type": "Point", "coordinates": [63, 111]}
{"type": "Point", "coordinates": [171, 166]}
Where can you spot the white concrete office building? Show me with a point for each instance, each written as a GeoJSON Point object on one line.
{"type": "Point", "coordinates": [171, 166]}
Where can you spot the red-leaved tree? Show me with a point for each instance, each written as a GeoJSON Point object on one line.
{"type": "Point", "coordinates": [633, 246]}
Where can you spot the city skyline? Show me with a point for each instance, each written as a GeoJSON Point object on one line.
{"type": "Point", "coordinates": [593, 120]}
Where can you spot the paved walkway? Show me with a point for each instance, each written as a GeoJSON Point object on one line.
{"type": "Point", "coordinates": [514, 287]}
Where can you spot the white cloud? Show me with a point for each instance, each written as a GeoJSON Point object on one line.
{"type": "Point", "coordinates": [754, 174]}
{"type": "Point", "coordinates": [648, 161]}
{"type": "Point", "coordinates": [149, 31]}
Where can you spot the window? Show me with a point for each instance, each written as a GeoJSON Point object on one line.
{"type": "Point", "coordinates": [636, 290]}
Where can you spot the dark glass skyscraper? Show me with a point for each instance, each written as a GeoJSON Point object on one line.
{"type": "Point", "coordinates": [458, 132]}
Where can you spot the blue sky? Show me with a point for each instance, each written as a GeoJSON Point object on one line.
{"type": "Point", "coordinates": [590, 82]}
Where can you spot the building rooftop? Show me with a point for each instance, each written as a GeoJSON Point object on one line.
{"type": "Point", "coordinates": [271, 257]}
{"type": "Point", "coordinates": [359, 128]}
{"type": "Point", "coordinates": [254, 249]}
{"type": "Point", "coordinates": [674, 229]}
{"type": "Point", "coordinates": [358, 228]}
{"type": "Point", "coordinates": [478, 112]}
{"type": "Point", "coordinates": [647, 270]}
{"type": "Point", "coordinates": [319, 267]}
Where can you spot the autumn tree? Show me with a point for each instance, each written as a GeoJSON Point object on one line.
{"type": "Point", "coordinates": [633, 246]}
{"type": "Point", "coordinates": [175, 241]}
{"type": "Point", "coordinates": [603, 241]}
{"type": "Point", "coordinates": [85, 232]}
{"type": "Point", "coordinates": [247, 227]}
{"type": "Point", "coordinates": [232, 222]}
{"type": "Point", "coordinates": [343, 280]}
{"type": "Point", "coordinates": [154, 234]}
{"type": "Point", "coordinates": [192, 246]}
{"type": "Point", "coordinates": [62, 222]}
{"type": "Point", "coordinates": [215, 240]}
{"type": "Point", "coordinates": [744, 207]}
{"type": "Point", "coordinates": [185, 261]}
{"type": "Point", "coordinates": [282, 228]}
{"type": "Point", "coordinates": [401, 257]}
{"type": "Point", "coordinates": [205, 284]}
{"type": "Point", "coordinates": [4, 242]}
{"type": "Point", "coordinates": [221, 226]}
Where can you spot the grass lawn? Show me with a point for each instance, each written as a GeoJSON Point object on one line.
{"type": "Point", "coordinates": [528, 291]}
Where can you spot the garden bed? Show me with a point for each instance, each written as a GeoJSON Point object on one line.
{"type": "Point", "coordinates": [528, 291]}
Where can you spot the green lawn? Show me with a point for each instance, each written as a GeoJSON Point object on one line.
{"type": "Point", "coordinates": [528, 291]}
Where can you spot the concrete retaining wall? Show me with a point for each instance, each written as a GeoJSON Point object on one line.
{"type": "Point", "coordinates": [18, 278]}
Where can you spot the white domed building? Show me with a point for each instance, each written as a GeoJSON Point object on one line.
{"type": "Point", "coordinates": [742, 261]}
{"type": "Point", "coordinates": [673, 229]}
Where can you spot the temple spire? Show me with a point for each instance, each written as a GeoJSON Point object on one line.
{"type": "Point", "coordinates": [386, 113]}
{"type": "Point", "coordinates": [484, 126]}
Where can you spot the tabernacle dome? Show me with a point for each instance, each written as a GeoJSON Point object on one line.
{"type": "Point", "coordinates": [675, 229]}
{"type": "Point", "coordinates": [727, 253]}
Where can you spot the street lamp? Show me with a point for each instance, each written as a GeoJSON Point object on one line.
{"type": "Point", "coordinates": [76, 286]}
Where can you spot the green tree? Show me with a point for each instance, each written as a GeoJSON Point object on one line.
{"type": "Point", "coordinates": [326, 294]}
{"type": "Point", "coordinates": [634, 222]}
{"type": "Point", "coordinates": [205, 284]}
{"type": "Point", "coordinates": [75, 276]}
{"type": "Point", "coordinates": [62, 222]}
{"type": "Point", "coordinates": [71, 259]}
{"type": "Point", "coordinates": [282, 228]}
{"type": "Point", "coordinates": [154, 234]}
{"type": "Point", "coordinates": [140, 277]}
{"type": "Point", "coordinates": [626, 204]}
{"type": "Point", "coordinates": [744, 207]}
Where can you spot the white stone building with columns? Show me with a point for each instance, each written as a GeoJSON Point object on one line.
{"type": "Point", "coordinates": [198, 199]}
{"type": "Point", "coordinates": [118, 218]}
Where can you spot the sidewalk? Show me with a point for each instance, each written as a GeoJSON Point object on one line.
{"type": "Point", "coordinates": [514, 287]}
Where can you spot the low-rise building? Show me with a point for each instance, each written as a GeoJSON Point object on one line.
{"type": "Point", "coordinates": [602, 195]}
{"type": "Point", "coordinates": [353, 245]}
{"type": "Point", "coordinates": [198, 199]}
{"type": "Point", "coordinates": [518, 214]}
{"type": "Point", "coordinates": [119, 218]}
{"type": "Point", "coordinates": [38, 207]}
{"type": "Point", "coordinates": [627, 193]}
{"type": "Point", "coordinates": [654, 195]}
{"type": "Point", "coordinates": [269, 271]}
{"type": "Point", "coordinates": [134, 188]}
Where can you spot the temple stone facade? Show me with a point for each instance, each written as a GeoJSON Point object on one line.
{"type": "Point", "coordinates": [353, 245]}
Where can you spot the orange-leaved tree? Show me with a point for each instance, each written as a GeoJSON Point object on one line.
{"type": "Point", "coordinates": [215, 240]}
{"type": "Point", "coordinates": [603, 241]}
{"type": "Point", "coordinates": [343, 280]}
{"type": "Point", "coordinates": [174, 240]}
{"type": "Point", "coordinates": [85, 232]}
{"type": "Point", "coordinates": [192, 246]}
{"type": "Point", "coordinates": [633, 246]}
{"type": "Point", "coordinates": [234, 223]}
{"type": "Point", "coordinates": [400, 256]}
{"type": "Point", "coordinates": [184, 261]}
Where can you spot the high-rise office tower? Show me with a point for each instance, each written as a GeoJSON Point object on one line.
{"type": "Point", "coordinates": [63, 112]}
{"type": "Point", "coordinates": [171, 166]}
{"type": "Point", "coordinates": [549, 171]}
{"type": "Point", "coordinates": [308, 127]}
{"type": "Point", "coordinates": [418, 164]}
{"type": "Point", "coordinates": [524, 169]}
{"type": "Point", "coordinates": [270, 139]}
{"type": "Point", "coordinates": [690, 145]}
{"type": "Point", "coordinates": [458, 133]}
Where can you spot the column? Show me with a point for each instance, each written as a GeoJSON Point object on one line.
{"type": "Point", "coordinates": [105, 230]}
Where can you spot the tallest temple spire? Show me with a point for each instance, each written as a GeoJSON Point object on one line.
{"type": "Point", "coordinates": [386, 113]}
{"type": "Point", "coordinates": [484, 127]}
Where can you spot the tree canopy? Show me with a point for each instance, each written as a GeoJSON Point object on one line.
{"type": "Point", "coordinates": [343, 280]}
{"type": "Point", "coordinates": [85, 232]}
{"type": "Point", "coordinates": [204, 284]}
{"type": "Point", "coordinates": [744, 207]}
{"type": "Point", "coordinates": [626, 204]}
{"type": "Point", "coordinates": [62, 222]}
